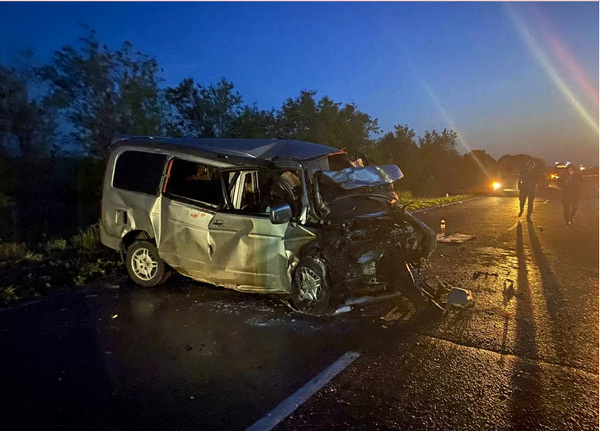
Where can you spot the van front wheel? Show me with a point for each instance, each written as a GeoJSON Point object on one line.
{"type": "Point", "coordinates": [310, 288]}
{"type": "Point", "coordinates": [144, 265]}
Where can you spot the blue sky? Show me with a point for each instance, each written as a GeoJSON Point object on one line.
{"type": "Point", "coordinates": [509, 77]}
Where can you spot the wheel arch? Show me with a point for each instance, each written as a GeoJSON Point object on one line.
{"type": "Point", "coordinates": [133, 236]}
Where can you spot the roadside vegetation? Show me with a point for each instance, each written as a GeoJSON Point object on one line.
{"type": "Point", "coordinates": [414, 204]}
{"type": "Point", "coordinates": [55, 265]}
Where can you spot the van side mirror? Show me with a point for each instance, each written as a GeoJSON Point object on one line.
{"type": "Point", "coordinates": [280, 213]}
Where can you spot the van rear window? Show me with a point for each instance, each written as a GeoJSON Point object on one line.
{"type": "Point", "coordinates": [139, 172]}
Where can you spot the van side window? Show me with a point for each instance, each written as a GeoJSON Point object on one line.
{"type": "Point", "coordinates": [195, 183]}
{"type": "Point", "coordinates": [259, 191]}
{"type": "Point", "coordinates": [139, 171]}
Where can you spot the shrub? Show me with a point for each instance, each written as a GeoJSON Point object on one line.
{"type": "Point", "coordinates": [404, 194]}
{"type": "Point", "coordinates": [55, 244]}
{"type": "Point", "coordinates": [87, 240]}
{"type": "Point", "coordinates": [6, 201]}
{"type": "Point", "coordinates": [12, 250]}
{"type": "Point", "coordinates": [8, 294]}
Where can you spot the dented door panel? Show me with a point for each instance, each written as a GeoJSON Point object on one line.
{"type": "Point", "coordinates": [127, 211]}
{"type": "Point", "coordinates": [296, 236]}
{"type": "Point", "coordinates": [247, 253]}
{"type": "Point", "coordinates": [183, 241]}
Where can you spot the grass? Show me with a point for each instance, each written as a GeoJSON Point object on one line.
{"type": "Point", "coordinates": [12, 250]}
{"type": "Point", "coordinates": [87, 240]}
{"type": "Point", "coordinates": [55, 265]}
{"type": "Point", "coordinates": [413, 204]}
{"type": "Point", "coordinates": [6, 201]}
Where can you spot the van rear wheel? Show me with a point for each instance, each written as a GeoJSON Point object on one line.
{"type": "Point", "coordinates": [144, 265]}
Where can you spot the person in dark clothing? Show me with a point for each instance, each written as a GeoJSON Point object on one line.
{"type": "Point", "coordinates": [526, 186]}
{"type": "Point", "coordinates": [571, 189]}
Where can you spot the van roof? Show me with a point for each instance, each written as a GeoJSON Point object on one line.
{"type": "Point", "coordinates": [265, 149]}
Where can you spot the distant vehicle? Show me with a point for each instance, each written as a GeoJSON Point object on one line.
{"type": "Point", "coordinates": [504, 184]}
{"type": "Point", "coordinates": [282, 217]}
{"type": "Point", "coordinates": [559, 170]}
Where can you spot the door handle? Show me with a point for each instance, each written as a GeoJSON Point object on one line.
{"type": "Point", "coordinates": [219, 223]}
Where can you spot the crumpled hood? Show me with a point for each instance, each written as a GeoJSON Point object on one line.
{"type": "Point", "coordinates": [349, 207]}
{"type": "Point", "coordinates": [368, 176]}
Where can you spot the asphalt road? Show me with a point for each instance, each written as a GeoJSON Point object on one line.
{"type": "Point", "coordinates": [185, 356]}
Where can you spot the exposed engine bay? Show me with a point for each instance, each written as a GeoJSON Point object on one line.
{"type": "Point", "coordinates": [370, 245]}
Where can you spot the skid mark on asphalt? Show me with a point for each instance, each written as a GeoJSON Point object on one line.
{"type": "Point", "coordinates": [283, 410]}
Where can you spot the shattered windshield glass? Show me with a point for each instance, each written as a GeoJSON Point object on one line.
{"type": "Point", "coordinates": [368, 176]}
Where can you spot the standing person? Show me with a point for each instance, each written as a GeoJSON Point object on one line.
{"type": "Point", "coordinates": [526, 186]}
{"type": "Point", "coordinates": [571, 189]}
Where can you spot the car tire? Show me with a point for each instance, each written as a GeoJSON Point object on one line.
{"type": "Point", "coordinates": [144, 265]}
{"type": "Point", "coordinates": [310, 286]}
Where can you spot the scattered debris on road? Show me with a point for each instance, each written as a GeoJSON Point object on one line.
{"type": "Point", "coordinates": [343, 309]}
{"type": "Point", "coordinates": [454, 238]}
{"type": "Point", "coordinates": [459, 298]}
{"type": "Point", "coordinates": [393, 315]}
{"type": "Point", "coordinates": [478, 274]}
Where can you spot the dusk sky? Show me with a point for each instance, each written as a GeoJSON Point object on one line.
{"type": "Point", "coordinates": [509, 77]}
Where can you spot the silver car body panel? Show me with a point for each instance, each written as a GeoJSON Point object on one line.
{"type": "Point", "coordinates": [238, 251]}
{"type": "Point", "coordinates": [236, 149]}
{"type": "Point", "coordinates": [183, 238]}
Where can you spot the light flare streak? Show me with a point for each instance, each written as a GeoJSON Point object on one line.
{"type": "Point", "coordinates": [440, 108]}
{"type": "Point", "coordinates": [562, 54]}
{"type": "Point", "coordinates": [542, 59]}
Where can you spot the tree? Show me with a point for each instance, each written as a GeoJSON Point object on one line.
{"type": "Point", "coordinates": [479, 169]}
{"type": "Point", "coordinates": [138, 105]}
{"type": "Point", "coordinates": [399, 147]}
{"type": "Point", "coordinates": [325, 122]}
{"type": "Point", "coordinates": [514, 164]}
{"type": "Point", "coordinates": [439, 163]}
{"type": "Point", "coordinates": [21, 118]}
{"type": "Point", "coordinates": [207, 112]}
{"type": "Point", "coordinates": [297, 118]}
{"type": "Point", "coordinates": [103, 93]}
{"type": "Point", "coordinates": [253, 123]}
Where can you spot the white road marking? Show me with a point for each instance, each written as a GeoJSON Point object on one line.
{"type": "Point", "coordinates": [286, 407]}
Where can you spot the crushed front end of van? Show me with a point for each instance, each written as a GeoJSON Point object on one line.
{"type": "Point", "coordinates": [371, 247]}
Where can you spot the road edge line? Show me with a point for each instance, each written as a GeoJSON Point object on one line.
{"type": "Point", "coordinates": [286, 407]}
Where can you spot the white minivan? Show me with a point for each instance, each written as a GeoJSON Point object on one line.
{"type": "Point", "coordinates": [282, 217]}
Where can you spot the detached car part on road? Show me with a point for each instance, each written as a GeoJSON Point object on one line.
{"type": "Point", "coordinates": [281, 217]}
